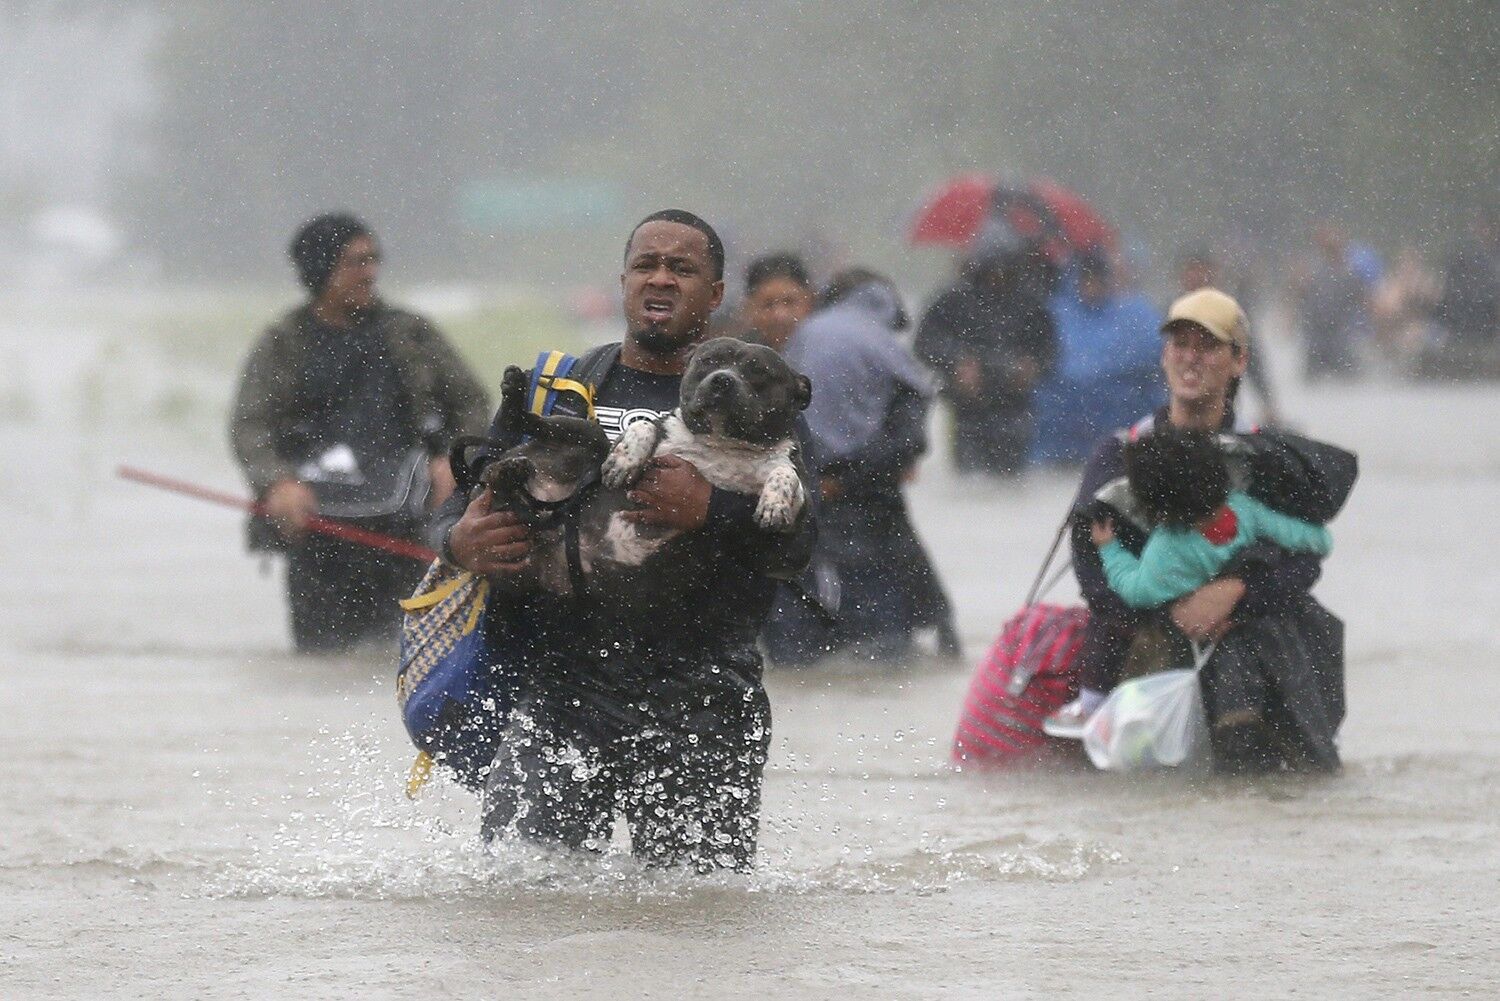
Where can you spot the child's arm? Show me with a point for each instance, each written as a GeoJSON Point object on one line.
{"type": "Point", "coordinates": [1288, 532]}
{"type": "Point", "coordinates": [1154, 578]}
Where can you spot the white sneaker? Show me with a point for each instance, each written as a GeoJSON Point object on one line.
{"type": "Point", "coordinates": [1068, 722]}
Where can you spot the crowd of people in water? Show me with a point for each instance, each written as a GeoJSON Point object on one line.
{"type": "Point", "coordinates": [348, 405]}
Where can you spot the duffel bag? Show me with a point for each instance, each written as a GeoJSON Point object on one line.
{"type": "Point", "coordinates": [450, 685]}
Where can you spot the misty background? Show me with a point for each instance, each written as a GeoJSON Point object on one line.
{"type": "Point", "coordinates": [513, 142]}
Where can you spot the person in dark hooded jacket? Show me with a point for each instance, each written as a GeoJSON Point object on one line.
{"type": "Point", "coordinates": [346, 407]}
{"type": "Point", "coordinates": [867, 422]}
{"type": "Point", "coordinates": [991, 339]}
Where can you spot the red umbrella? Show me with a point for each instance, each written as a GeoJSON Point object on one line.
{"type": "Point", "coordinates": [954, 213]}
{"type": "Point", "coordinates": [1082, 227]}
{"type": "Point", "coordinates": [1059, 218]}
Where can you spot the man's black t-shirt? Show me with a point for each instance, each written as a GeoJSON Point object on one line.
{"type": "Point", "coordinates": [629, 395]}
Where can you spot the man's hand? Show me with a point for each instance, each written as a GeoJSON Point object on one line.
{"type": "Point", "coordinates": [1102, 531]}
{"type": "Point", "coordinates": [671, 494]}
{"type": "Point", "coordinates": [440, 474]}
{"type": "Point", "coordinates": [1204, 614]}
{"type": "Point", "coordinates": [289, 504]}
{"type": "Point", "coordinates": [490, 542]}
{"type": "Point", "coordinates": [830, 488]}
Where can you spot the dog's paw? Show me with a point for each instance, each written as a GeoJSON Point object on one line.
{"type": "Point", "coordinates": [627, 460]}
{"type": "Point", "coordinates": [781, 500]}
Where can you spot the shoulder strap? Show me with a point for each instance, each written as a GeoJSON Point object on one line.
{"type": "Point", "coordinates": [554, 373]}
{"type": "Point", "coordinates": [593, 368]}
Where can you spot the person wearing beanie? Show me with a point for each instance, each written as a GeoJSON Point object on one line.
{"type": "Point", "coordinates": [346, 408]}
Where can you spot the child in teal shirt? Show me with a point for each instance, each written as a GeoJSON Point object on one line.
{"type": "Point", "coordinates": [1181, 480]}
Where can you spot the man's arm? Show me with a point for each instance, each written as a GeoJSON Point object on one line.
{"type": "Point", "coordinates": [458, 393]}
{"type": "Point", "coordinates": [779, 554]}
{"type": "Point", "coordinates": [442, 521]}
{"type": "Point", "coordinates": [264, 391]}
{"type": "Point", "coordinates": [878, 467]}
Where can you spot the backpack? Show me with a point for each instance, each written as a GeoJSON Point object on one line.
{"type": "Point", "coordinates": [1028, 673]}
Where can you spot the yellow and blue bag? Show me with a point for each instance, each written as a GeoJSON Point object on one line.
{"type": "Point", "coordinates": [448, 683]}
{"type": "Point", "coordinates": [453, 687]}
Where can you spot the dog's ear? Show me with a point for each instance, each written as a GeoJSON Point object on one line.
{"type": "Point", "coordinates": [804, 391]}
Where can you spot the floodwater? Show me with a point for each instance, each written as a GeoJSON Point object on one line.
{"type": "Point", "coordinates": [188, 811]}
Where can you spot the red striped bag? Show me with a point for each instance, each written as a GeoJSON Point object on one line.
{"type": "Point", "coordinates": [1030, 672]}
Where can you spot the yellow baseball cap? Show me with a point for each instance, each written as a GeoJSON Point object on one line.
{"type": "Point", "coordinates": [1215, 312]}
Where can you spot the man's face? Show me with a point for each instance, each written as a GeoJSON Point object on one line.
{"type": "Point", "coordinates": [776, 307]}
{"type": "Point", "coordinates": [1199, 367]}
{"type": "Point", "coordinates": [669, 285]}
{"type": "Point", "coordinates": [352, 284]}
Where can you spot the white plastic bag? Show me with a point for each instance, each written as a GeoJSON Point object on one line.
{"type": "Point", "coordinates": [1156, 721]}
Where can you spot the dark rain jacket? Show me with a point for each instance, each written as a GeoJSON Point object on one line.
{"type": "Point", "coordinates": [1283, 662]}
{"type": "Point", "coordinates": [994, 326]}
{"type": "Point", "coordinates": [621, 673]}
{"type": "Point", "coordinates": [441, 394]}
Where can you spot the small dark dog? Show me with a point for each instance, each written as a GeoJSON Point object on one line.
{"type": "Point", "coordinates": [560, 456]}
{"type": "Point", "coordinates": [735, 422]}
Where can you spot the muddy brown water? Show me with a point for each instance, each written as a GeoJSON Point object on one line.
{"type": "Point", "coordinates": [189, 811]}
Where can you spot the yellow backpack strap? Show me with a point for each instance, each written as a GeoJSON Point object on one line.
{"type": "Point", "coordinates": [550, 376]}
{"type": "Point", "coordinates": [421, 771]}
{"type": "Point", "coordinates": [417, 602]}
{"type": "Point", "coordinates": [574, 386]}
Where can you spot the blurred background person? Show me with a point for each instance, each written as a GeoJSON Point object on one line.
{"type": "Point", "coordinates": [1333, 296]}
{"type": "Point", "coordinates": [1469, 309]}
{"type": "Point", "coordinates": [990, 338]}
{"type": "Point", "coordinates": [868, 425]}
{"type": "Point", "coordinates": [1403, 311]}
{"type": "Point", "coordinates": [1201, 267]}
{"type": "Point", "coordinates": [778, 296]}
{"type": "Point", "coordinates": [346, 407]}
{"type": "Point", "coordinates": [1106, 372]}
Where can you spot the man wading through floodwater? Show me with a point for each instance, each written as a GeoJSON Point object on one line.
{"type": "Point", "coordinates": [666, 720]}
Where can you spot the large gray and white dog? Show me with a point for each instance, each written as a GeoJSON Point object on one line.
{"type": "Point", "coordinates": [736, 422]}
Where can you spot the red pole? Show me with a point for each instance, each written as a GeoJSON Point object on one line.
{"type": "Point", "coordinates": [317, 523]}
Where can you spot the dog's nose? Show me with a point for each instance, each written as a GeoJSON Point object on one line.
{"type": "Point", "coordinates": [720, 382]}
